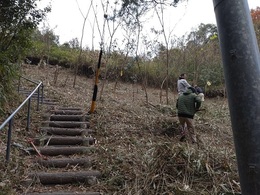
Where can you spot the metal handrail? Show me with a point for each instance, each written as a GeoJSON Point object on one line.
{"type": "Point", "coordinates": [35, 82]}
{"type": "Point", "coordinates": [10, 118]}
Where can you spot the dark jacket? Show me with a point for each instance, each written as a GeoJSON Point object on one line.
{"type": "Point", "coordinates": [187, 104]}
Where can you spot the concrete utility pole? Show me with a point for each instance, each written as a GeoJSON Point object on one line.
{"type": "Point", "coordinates": [241, 60]}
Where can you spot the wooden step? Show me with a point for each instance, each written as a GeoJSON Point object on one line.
{"type": "Point", "coordinates": [67, 112]}
{"type": "Point", "coordinates": [65, 131]}
{"type": "Point", "coordinates": [63, 150]}
{"type": "Point", "coordinates": [67, 118]}
{"type": "Point", "coordinates": [64, 193]}
{"type": "Point", "coordinates": [50, 103]}
{"type": "Point", "coordinates": [66, 124]}
{"type": "Point", "coordinates": [64, 140]}
{"type": "Point", "coordinates": [64, 162]}
{"type": "Point", "coordinates": [86, 177]}
{"type": "Point", "coordinates": [69, 108]}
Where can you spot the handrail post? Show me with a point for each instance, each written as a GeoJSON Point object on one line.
{"type": "Point", "coordinates": [42, 93]}
{"type": "Point", "coordinates": [38, 98]}
{"type": "Point", "coordinates": [10, 118]}
{"type": "Point", "coordinates": [9, 140]}
{"type": "Point", "coordinates": [28, 114]}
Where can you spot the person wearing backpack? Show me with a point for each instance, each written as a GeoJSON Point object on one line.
{"type": "Point", "coordinates": [187, 105]}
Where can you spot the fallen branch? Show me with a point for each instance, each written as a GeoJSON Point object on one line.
{"type": "Point", "coordinates": [35, 148]}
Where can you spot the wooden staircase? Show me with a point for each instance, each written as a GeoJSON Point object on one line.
{"type": "Point", "coordinates": [63, 154]}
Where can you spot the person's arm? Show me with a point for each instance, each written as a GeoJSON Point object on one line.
{"type": "Point", "coordinates": [185, 83]}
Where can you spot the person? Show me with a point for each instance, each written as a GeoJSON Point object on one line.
{"type": "Point", "coordinates": [187, 105]}
{"type": "Point", "coordinates": [199, 92]}
{"type": "Point", "coordinates": [182, 84]}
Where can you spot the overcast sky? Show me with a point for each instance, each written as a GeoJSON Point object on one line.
{"type": "Point", "coordinates": [66, 19]}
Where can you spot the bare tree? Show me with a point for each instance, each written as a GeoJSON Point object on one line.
{"type": "Point", "coordinates": [113, 24]}
{"type": "Point", "coordinates": [81, 40]}
{"type": "Point", "coordinates": [160, 14]}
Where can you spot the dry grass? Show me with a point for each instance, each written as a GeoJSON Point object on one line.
{"type": "Point", "coordinates": [138, 144]}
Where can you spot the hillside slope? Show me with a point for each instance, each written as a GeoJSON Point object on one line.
{"type": "Point", "coordinates": [139, 151]}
